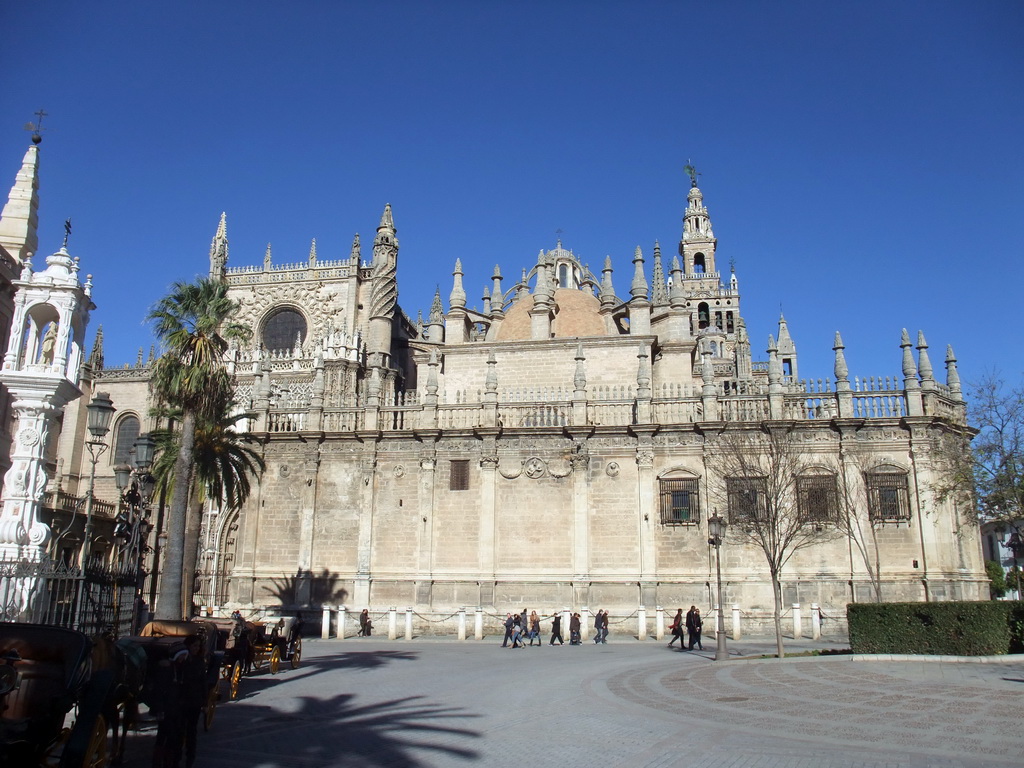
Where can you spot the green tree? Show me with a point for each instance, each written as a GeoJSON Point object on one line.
{"type": "Point", "coordinates": [224, 461]}
{"type": "Point", "coordinates": [996, 578]}
{"type": "Point", "coordinates": [192, 324]}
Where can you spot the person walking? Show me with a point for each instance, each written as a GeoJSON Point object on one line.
{"type": "Point", "coordinates": [534, 633]}
{"type": "Point", "coordinates": [556, 630]}
{"type": "Point", "coordinates": [574, 629]}
{"type": "Point", "coordinates": [600, 626]}
{"type": "Point", "coordinates": [693, 627]}
{"type": "Point", "coordinates": [676, 628]}
{"type": "Point", "coordinates": [509, 623]}
{"type": "Point", "coordinates": [517, 633]}
{"type": "Point", "coordinates": [365, 625]}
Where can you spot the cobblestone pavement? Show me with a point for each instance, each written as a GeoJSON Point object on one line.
{"type": "Point", "coordinates": [370, 702]}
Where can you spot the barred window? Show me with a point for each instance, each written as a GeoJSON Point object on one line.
{"type": "Point", "coordinates": [888, 495]}
{"type": "Point", "coordinates": [127, 434]}
{"type": "Point", "coordinates": [680, 502]}
{"type": "Point", "coordinates": [748, 498]}
{"type": "Point", "coordinates": [458, 479]}
{"type": "Point", "coordinates": [817, 498]}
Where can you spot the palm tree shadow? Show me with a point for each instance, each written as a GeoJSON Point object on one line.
{"type": "Point", "coordinates": [338, 731]}
{"type": "Point", "coordinates": [262, 679]}
{"type": "Point", "coordinates": [307, 589]}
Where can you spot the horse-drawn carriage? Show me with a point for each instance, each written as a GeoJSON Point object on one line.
{"type": "Point", "coordinates": [45, 673]}
{"type": "Point", "coordinates": [162, 641]}
{"type": "Point", "coordinates": [255, 645]}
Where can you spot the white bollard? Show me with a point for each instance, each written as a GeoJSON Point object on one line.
{"type": "Point", "coordinates": [815, 621]}
{"type": "Point", "coordinates": [659, 623]}
{"type": "Point", "coordinates": [392, 623]}
{"type": "Point", "coordinates": [584, 623]}
{"type": "Point", "coordinates": [798, 624]}
{"type": "Point", "coordinates": [325, 623]}
{"type": "Point", "coordinates": [641, 623]}
{"type": "Point", "coordinates": [736, 633]}
{"type": "Point", "coordinates": [478, 624]}
{"type": "Point", "coordinates": [342, 616]}
{"type": "Point", "coordinates": [462, 623]}
{"type": "Point", "coordinates": [566, 618]}
{"type": "Point", "coordinates": [408, 623]}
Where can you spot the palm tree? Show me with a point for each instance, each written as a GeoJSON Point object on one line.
{"type": "Point", "coordinates": [191, 323]}
{"type": "Point", "coordinates": [223, 460]}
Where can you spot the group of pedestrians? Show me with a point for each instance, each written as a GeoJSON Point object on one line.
{"type": "Point", "coordinates": [519, 626]}
{"type": "Point", "coordinates": [692, 625]}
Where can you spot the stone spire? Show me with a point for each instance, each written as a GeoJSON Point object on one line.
{"type": "Point", "coordinates": [96, 358]}
{"type": "Point", "coordinates": [385, 244]}
{"type": "Point", "coordinates": [457, 298]}
{"type": "Point", "coordinates": [924, 362]}
{"type": "Point", "coordinates": [607, 290]}
{"type": "Point", "coordinates": [952, 375]}
{"type": "Point", "coordinates": [267, 259]}
{"type": "Point", "coordinates": [638, 289]}
{"type": "Point", "coordinates": [841, 371]}
{"type": "Point", "coordinates": [497, 301]}
{"type": "Point", "coordinates": [219, 250]}
{"type": "Point", "coordinates": [355, 255]}
{"type": "Point", "coordinates": [677, 295]}
{"type": "Point", "coordinates": [911, 386]}
{"type": "Point", "coordinates": [787, 350]}
{"type": "Point", "coordinates": [909, 366]}
{"type": "Point", "coordinates": [20, 218]}
{"type": "Point", "coordinates": [312, 253]}
{"type": "Point", "coordinates": [383, 289]}
{"type": "Point", "coordinates": [660, 289]}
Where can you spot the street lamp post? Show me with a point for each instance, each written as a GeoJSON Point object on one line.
{"type": "Point", "coordinates": [99, 414]}
{"type": "Point", "coordinates": [136, 486]}
{"type": "Point", "coordinates": [716, 532]}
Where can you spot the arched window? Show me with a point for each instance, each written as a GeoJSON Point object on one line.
{"type": "Point", "coordinates": [703, 315]}
{"type": "Point", "coordinates": [126, 435]}
{"type": "Point", "coordinates": [563, 276]}
{"type": "Point", "coordinates": [888, 494]}
{"type": "Point", "coordinates": [282, 329]}
{"type": "Point", "coordinates": [698, 263]}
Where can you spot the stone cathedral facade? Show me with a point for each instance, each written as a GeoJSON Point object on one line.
{"type": "Point", "coordinates": [558, 448]}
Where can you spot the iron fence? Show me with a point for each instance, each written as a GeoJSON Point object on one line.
{"type": "Point", "coordinates": [92, 599]}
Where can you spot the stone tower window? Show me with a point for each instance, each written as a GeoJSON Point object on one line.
{"type": "Point", "coordinates": [282, 329]}
{"type": "Point", "coordinates": [459, 478]}
{"type": "Point", "coordinates": [703, 315]}
{"type": "Point", "coordinates": [698, 263]}
{"type": "Point", "coordinates": [127, 432]}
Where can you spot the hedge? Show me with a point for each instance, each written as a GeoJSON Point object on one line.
{"type": "Point", "coordinates": [949, 628]}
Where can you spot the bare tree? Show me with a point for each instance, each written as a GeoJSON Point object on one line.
{"type": "Point", "coordinates": [854, 519]}
{"type": "Point", "coordinates": [760, 483]}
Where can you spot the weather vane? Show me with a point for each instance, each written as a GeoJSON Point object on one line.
{"type": "Point", "coordinates": [558, 236]}
{"type": "Point", "coordinates": [67, 232]}
{"type": "Point", "coordinates": [36, 127]}
{"type": "Point", "coordinates": [690, 171]}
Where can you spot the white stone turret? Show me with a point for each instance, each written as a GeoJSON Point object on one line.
{"type": "Point", "coordinates": [40, 371]}
{"type": "Point", "coordinates": [697, 244]}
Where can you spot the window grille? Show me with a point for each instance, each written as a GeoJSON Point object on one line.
{"type": "Point", "coordinates": [817, 499]}
{"type": "Point", "coordinates": [459, 477]}
{"type": "Point", "coordinates": [282, 329]}
{"type": "Point", "coordinates": [680, 502]}
{"type": "Point", "coordinates": [748, 498]}
{"type": "Point", "coordinates": [127, 433]}
{"type": "Point", "coordinates": [888, 496]}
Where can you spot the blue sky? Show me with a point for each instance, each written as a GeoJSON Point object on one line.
{"type": "Point", "coordinates": [862, 162]}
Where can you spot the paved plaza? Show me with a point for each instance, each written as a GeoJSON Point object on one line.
{"type": "Point", "coordinates": [375, 702]}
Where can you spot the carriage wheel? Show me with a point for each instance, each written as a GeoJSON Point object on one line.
{"type": "Point", "coordinates": [296, 653]}
{"type": "Point", "coordinates": [96, 754]}
{"type": "Point", "coordinates": [275, 660]}
{"type": "Point", "coordinates": [236, 676]}
{"type": "Point", "coordinates": [210, 708]}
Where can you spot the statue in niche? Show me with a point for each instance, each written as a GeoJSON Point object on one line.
{"type": "Point", "coordinates": [49, 344]}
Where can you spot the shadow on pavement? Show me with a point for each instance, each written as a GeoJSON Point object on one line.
{"type": "Point", "coordinates": [339, 731]}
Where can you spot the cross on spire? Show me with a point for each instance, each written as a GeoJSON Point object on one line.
{"type": "Point", "coordinates": [37, 127]}
{"type": "Point", "coordinates": [67, 232]}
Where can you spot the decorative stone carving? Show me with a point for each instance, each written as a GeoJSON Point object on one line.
{"type": "Point", "coordinates": [645, 459]}
{"type": "Point", "coordinates": [399, 470]}
{"type": "Point", "coordinates": [612, 469]}
{"type": "Point", "coordinates": [534, 467]}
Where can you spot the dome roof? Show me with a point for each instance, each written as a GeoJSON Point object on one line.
{"type": "Point", "coordinates": [577, 313]}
